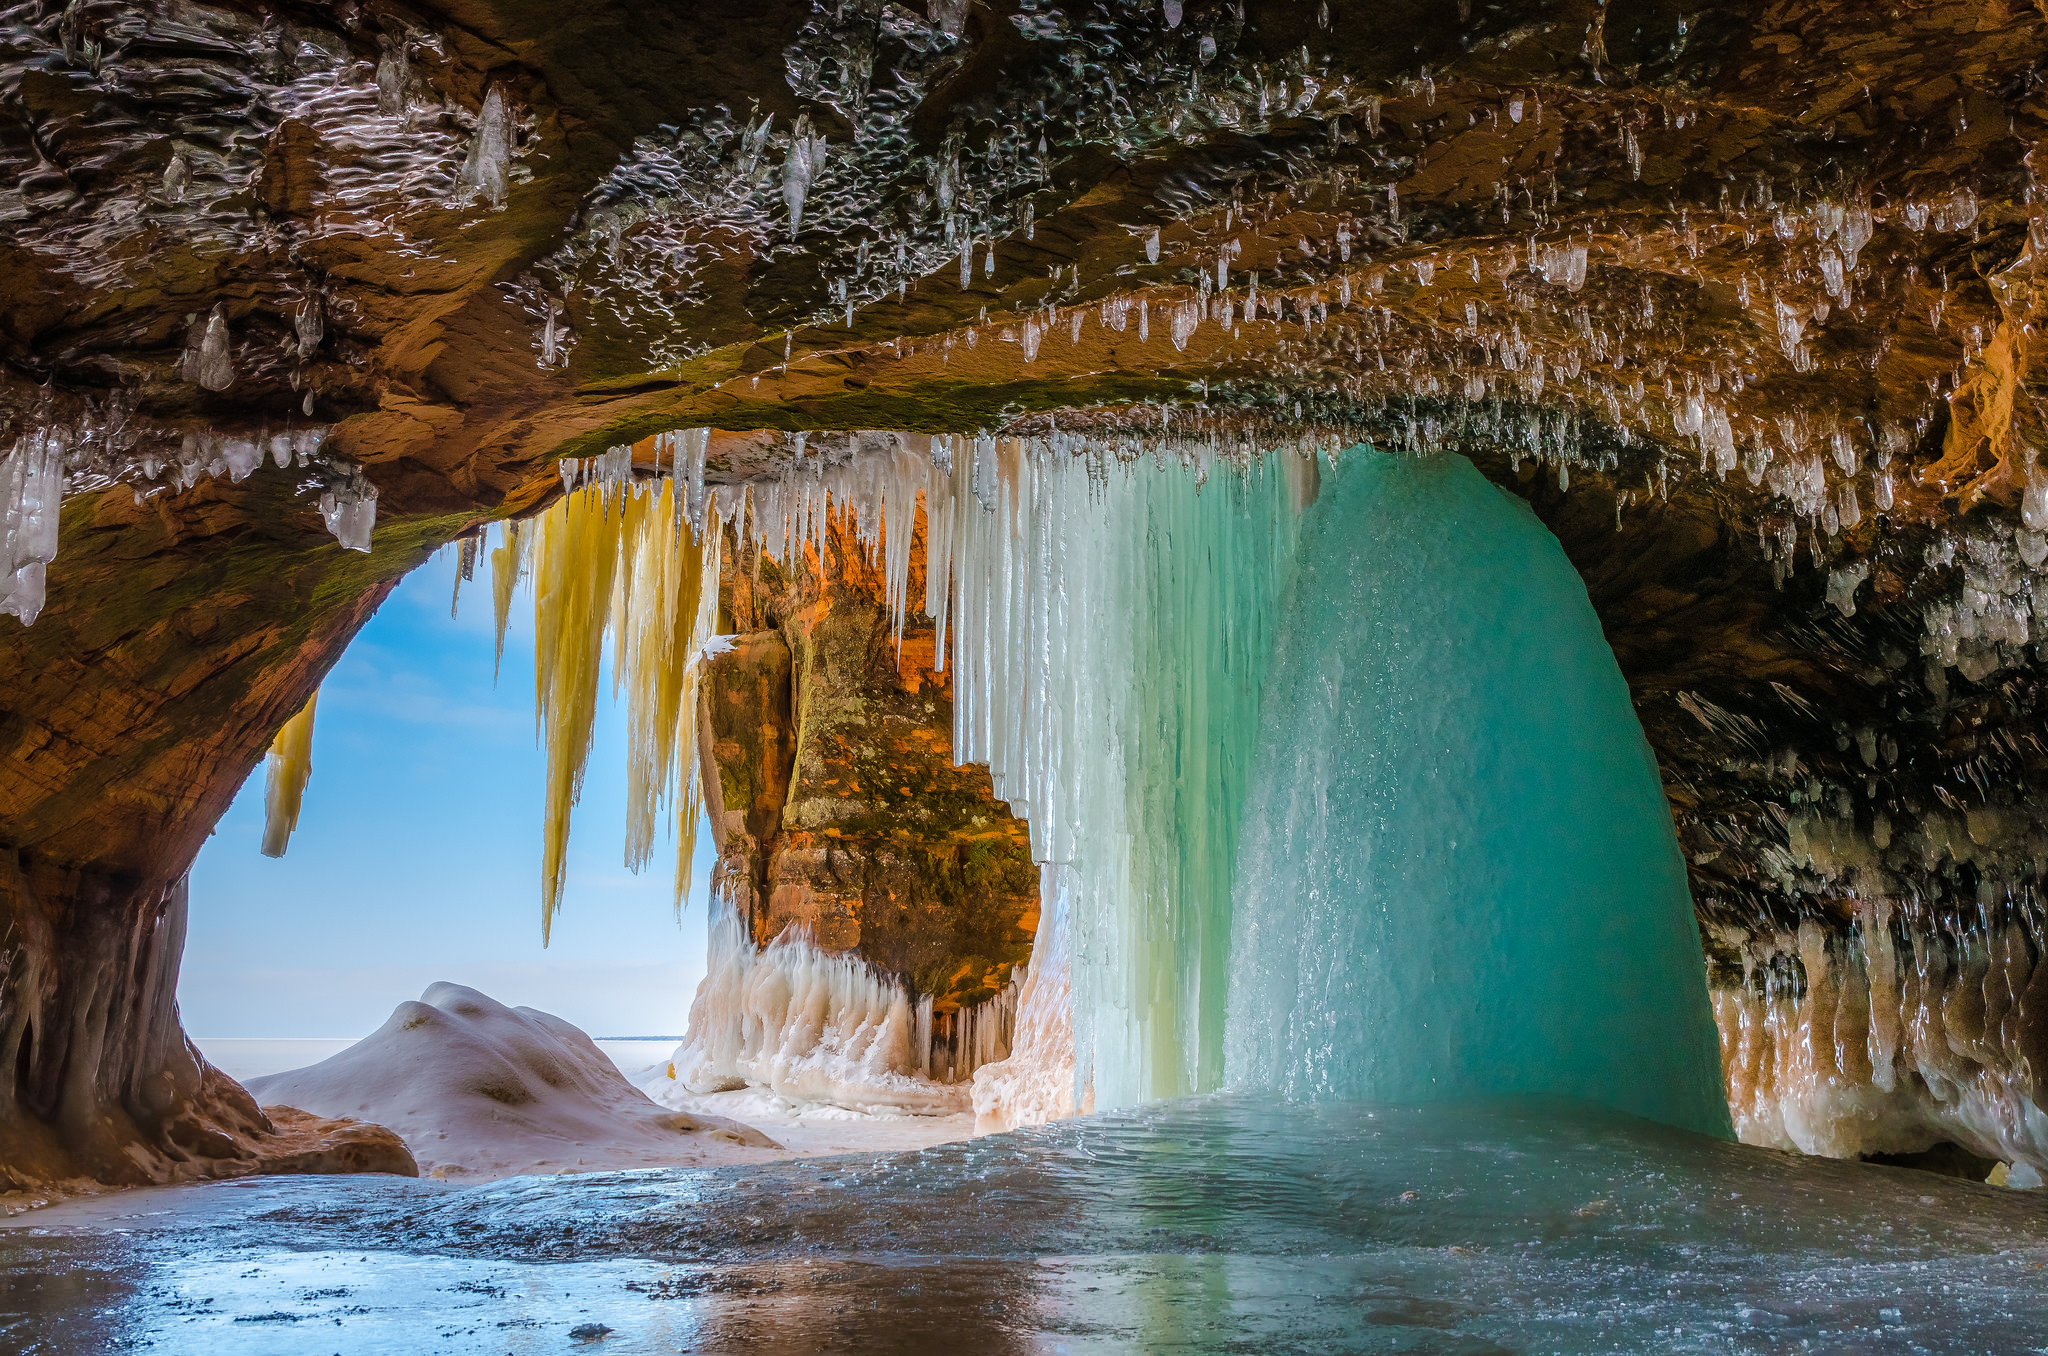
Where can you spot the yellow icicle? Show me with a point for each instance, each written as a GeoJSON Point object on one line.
{"type": "Point", "coordinates": [623, 558]}
{"type": "Point", "coordinates": [575, 562]}
{"type": "Point", "coordinates": [284, 784]}
{"type": "Point", "coordinates": [505, 566]}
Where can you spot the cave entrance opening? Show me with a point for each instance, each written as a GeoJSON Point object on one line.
{"type": "Point", "coordinates": [416, 860]}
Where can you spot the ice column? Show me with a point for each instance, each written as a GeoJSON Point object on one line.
{"type": "Point", "coordinates": [1458, 874]}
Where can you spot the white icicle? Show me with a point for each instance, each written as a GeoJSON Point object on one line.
{"type": "Point", "coordinates": [349, 508]}
{"type": "Point", "coordinates": [31, 494]}
{"type": "Point", "coordinates": [214, 368]}
{"type": "Point", "coordinates": [485, 168]}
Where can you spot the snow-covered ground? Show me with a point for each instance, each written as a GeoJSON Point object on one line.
{"type": "Point", "coordinates": [480, 1091]}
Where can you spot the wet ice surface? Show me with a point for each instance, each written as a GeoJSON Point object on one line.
{"type": "Point", "coordinates": [1202, 1225]}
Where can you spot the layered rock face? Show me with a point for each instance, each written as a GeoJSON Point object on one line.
{"type": "Point", "coordinates": [1745, 302]}
{"type": "Point", "coordinates": [831, 785]}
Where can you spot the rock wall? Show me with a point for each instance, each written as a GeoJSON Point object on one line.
{"type": "Point", "coordinates": [830, 780]}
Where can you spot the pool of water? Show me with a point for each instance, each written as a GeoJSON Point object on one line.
{"type": "Point", "coordinates": [1204, 1225]}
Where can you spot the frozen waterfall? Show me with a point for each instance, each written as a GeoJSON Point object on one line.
{"type": "Point", "coordinates": [1335, 782]}
{"type": "Point", "coordinates": [1457, 873]}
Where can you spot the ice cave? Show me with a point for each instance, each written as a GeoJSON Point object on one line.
{"type": "Point", "coordinates": [1249, 675]}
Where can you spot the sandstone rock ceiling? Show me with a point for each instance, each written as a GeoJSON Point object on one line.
{"type": "Point", "coordinates": [1742, 297]}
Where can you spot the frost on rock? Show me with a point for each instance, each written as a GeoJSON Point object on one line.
{"type": "Point", "coordinates": [349, 507]}
{"type": "Point", "coordinates": [31, 493]}
{"type": "Point", "coordinates": [486, 168]}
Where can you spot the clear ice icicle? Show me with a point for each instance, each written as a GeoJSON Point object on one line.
{"type": "Point", "coordinates": [349, 508]}
{"type": "Point", "coordinates": [31, 494]}
{"type": "Point", "coordinates": [489, 160]}
{"type": "Point", "coordinates": [2034, 502]}
{"type": "Point", "coordinates": [309, 322]}
{"type": "Point", "coordinates": [177, 177]}
{"type": "Point", "coordinates": [214, 367]}
{"type": "Point", "coordinates": [799, 169]}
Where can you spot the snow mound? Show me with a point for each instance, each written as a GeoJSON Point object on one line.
{"type": "Point", "coordinates": [477, 1089]}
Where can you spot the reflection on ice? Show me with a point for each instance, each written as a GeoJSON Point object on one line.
{"type": "Point", "coordinates": [1209, 1224]}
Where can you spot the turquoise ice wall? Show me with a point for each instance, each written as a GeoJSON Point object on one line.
{"type": "Point", "coordinates": [1457, 873]}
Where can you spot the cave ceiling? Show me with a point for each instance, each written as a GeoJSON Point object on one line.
{"type": "Point", "coordinates": [1742, 298]}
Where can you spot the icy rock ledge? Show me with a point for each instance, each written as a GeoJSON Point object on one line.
{"type": "Point", "coordinates": [480, 1090]}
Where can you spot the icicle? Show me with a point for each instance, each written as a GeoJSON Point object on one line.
{"type": "Point", "coordinates": [692, 444]}
{"type": "Point", "coordinates": [310, 324]}
{"type": "Point", "coordinates": [620, 557]}
{"type": "Point", "coordinates": [508, 562]}
{"type": "Point", "coordinates": [214, 366]}
{"type": "Point", "coordinates": [349, 508]}
{"type": "Point", "coordinates": [799, 169]}
{"type": "Point", "coordinates": [31, 496]}
{"type": "Point", "coordinates": [177, 177]}
{"type": "Point", "coordinates": [284, 785]}
{"type": "Point", "coordinates": [489, 161]}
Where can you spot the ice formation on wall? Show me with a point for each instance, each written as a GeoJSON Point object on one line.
{"type": "Point", "coordinates": [287, 770]}
{"type": "Point", "coordinates": [821, 1027]}
{"type": "Point", "coordinates": [1034, 1083]}
{"type": "Point", "coordinates": [1110, 636]}
{"type": "Point", "coordinates": [31, 495]}
{"type": "Point", "coordinates": [1904, 1033]}
{"type": "Point", "coordinates": [1459, 875]}
{"type": "Point", "coordinates": [485, 167]}
{"type": "Point", "coordinates": [56, 459]}
{"type": "Point", "coordinates": [349, 507]}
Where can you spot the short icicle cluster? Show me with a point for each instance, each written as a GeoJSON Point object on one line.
{"type": "Point", "coordinates": [1904, 1032]}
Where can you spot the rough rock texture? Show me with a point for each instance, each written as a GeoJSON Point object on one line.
{"type": "Point", "coordinates": [838, 808]}
{"type": "Point", "coordinates": [1760, 280]}
{"type": "Point", "coordinates": [105, 1085]}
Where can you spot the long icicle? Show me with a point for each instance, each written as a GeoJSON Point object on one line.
{"type": "Point", "coordinates": [636, 561]}
{"type": "Point", "coordinates": [284, 786]}
{"type": "Point", "coordinates": [507, 563]}
{"type": "Point", "coordinates": [575, 562]}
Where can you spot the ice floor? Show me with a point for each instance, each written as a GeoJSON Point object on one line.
{"type": "Point", "coordinates": [1206, 1225]}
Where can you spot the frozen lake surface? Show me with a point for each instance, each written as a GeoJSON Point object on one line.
{"type": "Point", "coordinates": [1204, 1225]}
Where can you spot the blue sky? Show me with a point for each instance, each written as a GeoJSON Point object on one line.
{"type": "Point", "coordinates": [417, 856]}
